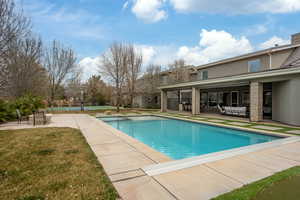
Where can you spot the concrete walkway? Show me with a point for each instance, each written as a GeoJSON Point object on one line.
{"type": "Point", "coordinates": [124, 157]}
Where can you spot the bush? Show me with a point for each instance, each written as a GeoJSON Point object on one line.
{"type": "Point", "coordinates": [26, 104]}
{"type": "Point", "coordinates": [7, 111]}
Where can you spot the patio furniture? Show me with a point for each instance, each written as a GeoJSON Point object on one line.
{"type": "Point", "coordinates": [222, 111]}
{"type": "Point", "coordinates": [20, 117]}
{"type": "Point", "coordinates": [40, 118]}
{"type": "Point", "coordinates": [235, 111]}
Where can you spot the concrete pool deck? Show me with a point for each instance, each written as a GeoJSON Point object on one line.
{"type": "Point", "coordinates": [124, 158]}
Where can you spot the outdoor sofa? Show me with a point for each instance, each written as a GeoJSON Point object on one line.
{"type": "Point", "coordinates": [233, 111]}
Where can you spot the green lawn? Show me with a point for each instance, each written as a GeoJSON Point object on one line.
{"type": "Point", "coordinates": [50, 163]}
{"type": "Point", "coordinates": [282, 185]}
{"type": "Point", "coordinates": [283, 129]}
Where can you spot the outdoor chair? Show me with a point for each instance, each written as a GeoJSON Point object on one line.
{"type": "Point", "coordinates": [222, 111]}
{"type": "Point", "coordinates": [20, 117]}
{"type": "Point", "coordinates": [39, 118]}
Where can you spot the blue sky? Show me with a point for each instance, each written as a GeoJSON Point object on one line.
{"type": "Point", "coordinates": [198, 31]}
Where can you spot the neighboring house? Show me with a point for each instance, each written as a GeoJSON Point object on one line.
{"type": "Point", "coordinates": [148, 93]}
{"type": "Point", "coordinates": [266, 82]}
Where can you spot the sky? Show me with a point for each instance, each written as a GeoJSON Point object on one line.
{"type": "Point", "coordinates": [198, 31]}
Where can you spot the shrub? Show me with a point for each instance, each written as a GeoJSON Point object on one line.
{"type": "Point", "coordinates": [7, 111]}
{"type": "Point", "coordinates": [28, 104]}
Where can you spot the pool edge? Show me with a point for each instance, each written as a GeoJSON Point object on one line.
{"type": "Point", "coordinates": [175, 165]}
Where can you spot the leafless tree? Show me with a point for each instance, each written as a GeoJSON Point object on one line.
{"type": "Point", "coordinates": [74, 86]}
{"type": "Point", "coordinates": [151, 79]}
{"type": "Point", "coordinates": [134, 64]}
{"type": "Point", "coordinates": [13, 26]}
{"type": "Point", "coordinates": [60, 64]}
{"type": "Point", "coordinates": [179, 72]}
{"type": "Point", "coordinates": [25, 73]}
{"type": "Point", "coordinates": [114, 67]}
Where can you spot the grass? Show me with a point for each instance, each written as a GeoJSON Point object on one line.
{"type": "Point", "coordinates": [50, 163]}
{"type": "Point", "coordinates": [251, 191]}
{"type": "Point", "coordinates": [283, 129]}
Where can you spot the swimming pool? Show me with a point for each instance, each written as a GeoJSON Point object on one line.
{"type": "Point", "coordinates": [180, 139]}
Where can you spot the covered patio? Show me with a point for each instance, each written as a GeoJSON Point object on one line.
{"type": "Point", "coordinates": [260, 96]}
{"type": "Point", "coordinates": [214, 99]}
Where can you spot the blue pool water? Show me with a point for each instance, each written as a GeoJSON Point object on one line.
{"type": "Point", "coordinates": [180, 139]}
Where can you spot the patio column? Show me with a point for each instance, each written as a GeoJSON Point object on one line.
{"type": "Point", "coordinates": [195, 101]}
{"type": "Point", "coordinates": [164, 99]}
{"type": "Point", "coordinates": [256, 101]}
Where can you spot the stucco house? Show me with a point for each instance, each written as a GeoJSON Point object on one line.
{"type": "Point", "coordinates": [265, 83]}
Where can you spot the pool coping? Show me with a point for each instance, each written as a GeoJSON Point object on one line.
{"type": "Point", "coordinates": [175, 165]}
{"type": "Point", "coordinates": [169, 165]}
{"type": "Point", "coordinates": [149, 152]}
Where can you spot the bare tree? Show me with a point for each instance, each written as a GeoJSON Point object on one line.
{"type": "Point", "coordinates": [13, 26]}
{"type": "Point", "coordinates": [134, 64]}
{"type": "Point", "coordinates": [60, 63]}
{"type": "Point", "coordinates": [25, 73]}
{"type": "Point", "coordinates": [179, 72]}
{"type": "Point", "coordinates": [74, 86]}
{"type": "Point", "coordinates": [114, 66]}
{"type": "Point", "coordinates": [151, 79]}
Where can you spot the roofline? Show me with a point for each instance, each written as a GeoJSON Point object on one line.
{"type": "Point", "coordinates": [243, 77]}
{"type": "Point", "coordinates": [249, 55]}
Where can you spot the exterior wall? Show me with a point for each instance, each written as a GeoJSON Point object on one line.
{"type": "Point", "coordinates": [138, 101]}
{"type": "Point", "coordinates": [234, 68]}
{"type": "Point", "coordinates": [286, 98]}
{"type": "Point", "coordinates": [280, 57]}
{"type": "Point", "coordinates": [144, 101]}
{"type": "Point", "coordinates": [241, 66]}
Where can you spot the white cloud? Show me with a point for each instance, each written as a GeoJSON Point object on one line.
{"type": "Point", "coordinates": [236, 6]}
{"type": "Point", "coordinates": [89, 66]}
{"type": "Point", "coordinates": [160, 55]}
{"type": "Point", "coordinates": [273, 41]}
{"type": "Point", "coordinates": [149, 11]}
{"type": "Point", "coordinates": [148, 53]}
{"type": "Point", "coordinates": [214, 45]}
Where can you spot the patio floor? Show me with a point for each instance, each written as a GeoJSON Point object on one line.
{"type": "Point", "coordinates": [124, 158]}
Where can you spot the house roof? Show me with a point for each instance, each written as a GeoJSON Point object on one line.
{"type": "Point", "coordinates": [241, 57]}
{"type": "Point", "coordinates": [249, 55]}
{"type": "Point", "coordinates": [243, 77]}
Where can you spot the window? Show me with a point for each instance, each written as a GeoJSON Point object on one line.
{"type": "Point", "coordinates": [203, 75]}
{"type": "Point", "coordinates": [254, 65]}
